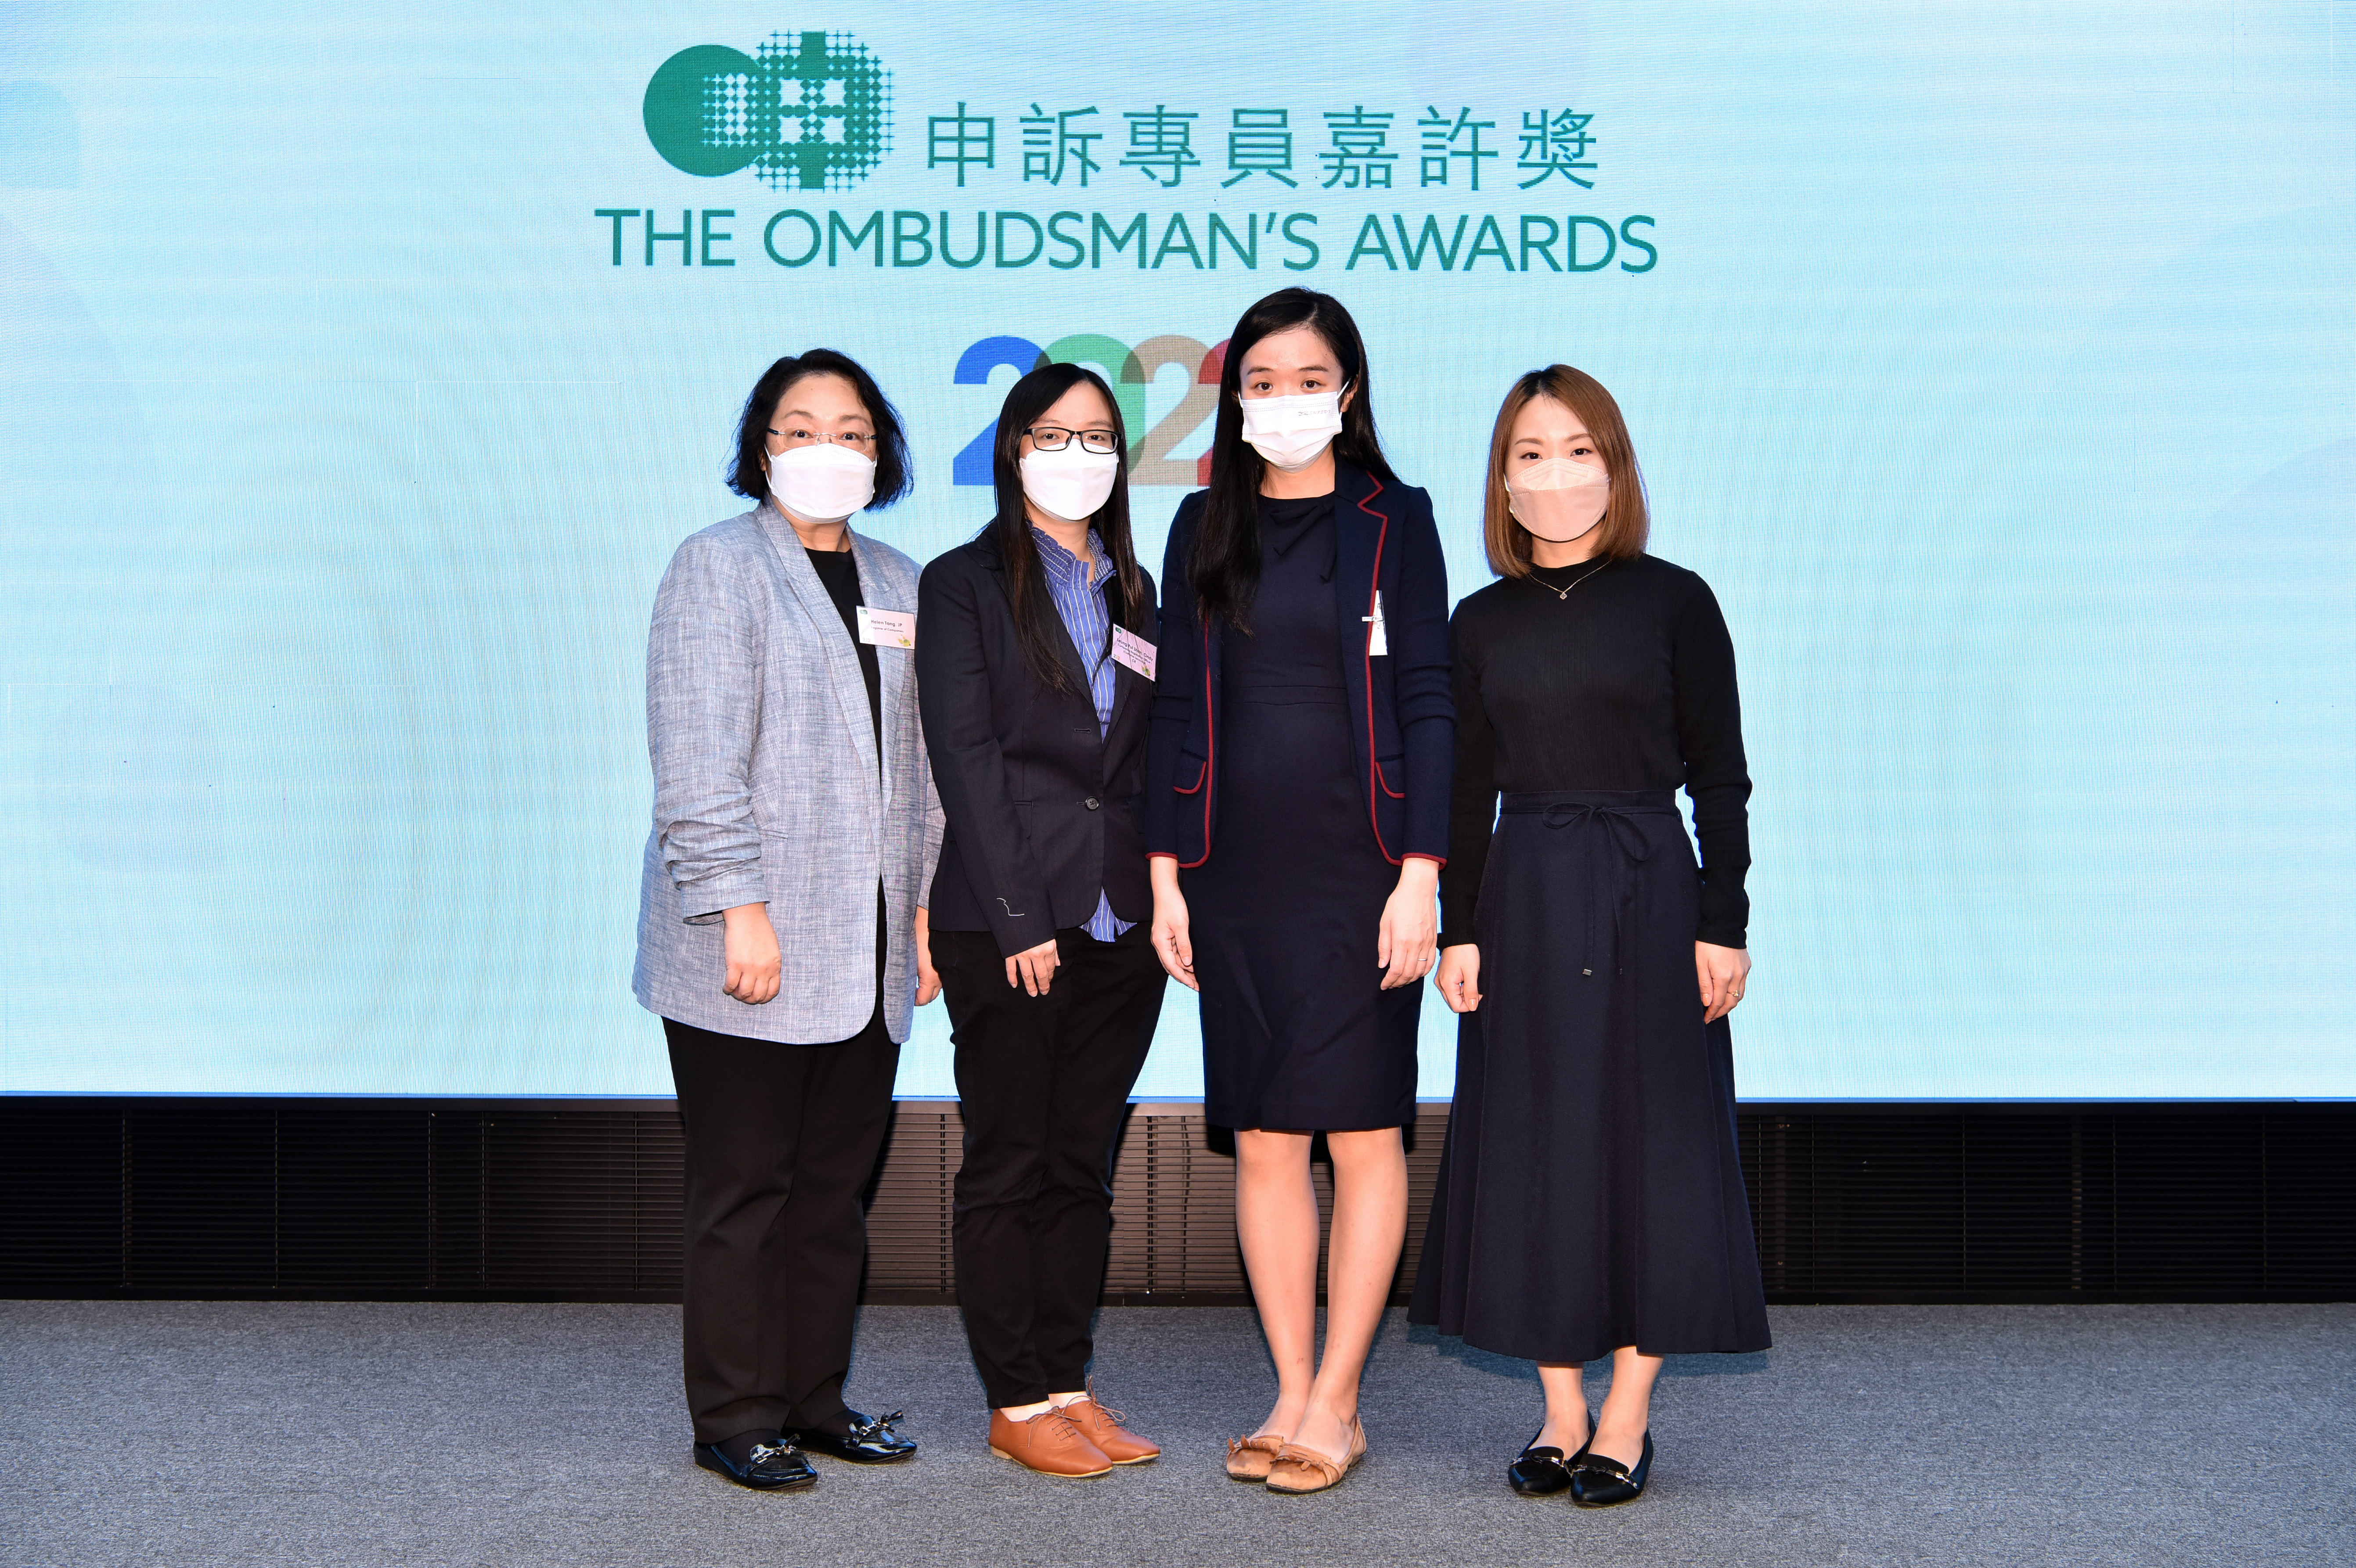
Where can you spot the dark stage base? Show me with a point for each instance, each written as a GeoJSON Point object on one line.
{"type": "Point", "coordinates": [578, 1200]}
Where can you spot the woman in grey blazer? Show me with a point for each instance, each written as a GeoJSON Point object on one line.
{"type": "Point", "coordinates": [795, 830]}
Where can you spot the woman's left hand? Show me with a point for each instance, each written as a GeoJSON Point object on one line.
{"type": "Point", "coordinates": [1410, 933]}
{"type": "Point", "coordinates": [1724, 972]}
{"type": "Point", "coordinates": [928, 980]}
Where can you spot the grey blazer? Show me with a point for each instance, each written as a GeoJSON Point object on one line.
{"type": "Point", "coordinates": [766, 787]}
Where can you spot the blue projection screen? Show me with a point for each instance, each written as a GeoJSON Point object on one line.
{"type": "Point", "coordinates": [363, 367]}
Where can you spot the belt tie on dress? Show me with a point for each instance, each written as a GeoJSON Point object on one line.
{"type": "Point", "coordinates": [1621, 831]}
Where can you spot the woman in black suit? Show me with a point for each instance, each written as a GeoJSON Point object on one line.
{"type": "Point", "coordinates": [1297, 808]}
{"type": "Point", "coordinates": [1035, 674]}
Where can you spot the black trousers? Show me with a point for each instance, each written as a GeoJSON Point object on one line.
{"type": "Point", "coordinates": [781, 1140]}
{"type": "Point", "coordinates": [1043, 1083]}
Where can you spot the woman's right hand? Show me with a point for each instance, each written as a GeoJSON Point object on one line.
{"type": "Point", "coordinates": [1033, 968]}
{"type": "Point", "coordinates": [753, 957]}
{"type": "Point", "coordinates": [1173, 941]}
{"type": "Point", "coordinates": [1459, 977]}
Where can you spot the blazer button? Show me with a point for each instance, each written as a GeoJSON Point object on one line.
{"type": "Point", "coordinates": [1092, 803]}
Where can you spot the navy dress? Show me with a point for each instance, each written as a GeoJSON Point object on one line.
{"type": "Point", "coordinates": [1298, 1034]}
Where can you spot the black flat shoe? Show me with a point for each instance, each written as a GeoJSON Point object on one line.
{"type": "Point", "coordinates": [769, 1467]}
{"type": "Point", "coordinates": [867, 1443]}
{"type": "Point", "coordinates": [1601, 1482]}
{"type": "Point", "coordinates": [1538, 1472]}
{"type": "Point", "coordinates": [1542, 1472]}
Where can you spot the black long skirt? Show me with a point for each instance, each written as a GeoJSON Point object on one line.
{"type": "Point", "coordinates": [1590, 1195]}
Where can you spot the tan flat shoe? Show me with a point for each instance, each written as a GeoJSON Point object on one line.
{"type": "Point", "coordinates": [1298, 1470]}
{"type": "Point", "coordinates": [1248, 1458]}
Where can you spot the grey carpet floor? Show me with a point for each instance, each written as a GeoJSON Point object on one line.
{"type": "Point", "coordinates": [305, 1434]}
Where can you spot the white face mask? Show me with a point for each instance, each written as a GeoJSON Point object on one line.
{"type": "Point", "coordinates": [1292, 432]}
{"type": "Point", "coordinates": [821, 483]}
{"type": "Point", "coordinates": [1558, 500]}
{"type": "Point", "coordinates": [1071, 485]}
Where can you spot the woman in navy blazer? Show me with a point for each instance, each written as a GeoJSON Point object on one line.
{"type": "Point", "coordinates": [1035, 701]}
{"type": "Point", "coordinates": [1297, 793]}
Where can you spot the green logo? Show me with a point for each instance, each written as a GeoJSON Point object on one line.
{"type": "Point", "coordinates": [808, 110]}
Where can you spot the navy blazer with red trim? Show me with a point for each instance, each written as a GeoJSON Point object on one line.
{"type": "Point", "coordinates": [1402, 706]}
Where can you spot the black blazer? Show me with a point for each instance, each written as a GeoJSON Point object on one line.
{"type": "Point", "coordinates": [1044, 813]}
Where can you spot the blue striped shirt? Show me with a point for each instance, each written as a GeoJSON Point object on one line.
{"type": "Point", "coordinates": [1079, 600]}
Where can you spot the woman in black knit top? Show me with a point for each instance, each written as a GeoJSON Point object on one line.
{"type": "Point", "coordinates": [1591, 1202]}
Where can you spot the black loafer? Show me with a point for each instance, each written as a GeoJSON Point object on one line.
{"type": "Point", "coordinates": [769, 1467]}
{"type": "Point", "coordinates": [1542, 1472]}
{"type": "Point", "coordinates": [867, 1442]}
{"type": "Point", "coordinates": [1601, 1482]}
{"type": "Point", "coordinates": [1539, 1472]}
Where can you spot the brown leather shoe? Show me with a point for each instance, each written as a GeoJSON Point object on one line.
{"type": "Point", "coordinates": [1048, 1442]}
{"type": "Point", "coordinates": [1103, 1428]}
{"type": "Point", "coordinates": [1249, 1458]}
{"type": "Point", "coordinates": [1299, 1469]}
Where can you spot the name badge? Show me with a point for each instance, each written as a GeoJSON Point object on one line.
{"type": "Point", "coordinates": [1130, 649]}
{"type": "Point", "coordinates": [1378, 645]}
{"type": "Point", "coordinates": [888, 628]}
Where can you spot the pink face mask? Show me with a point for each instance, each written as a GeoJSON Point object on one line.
{"type": "Point", "coordinates": [1558, 500]}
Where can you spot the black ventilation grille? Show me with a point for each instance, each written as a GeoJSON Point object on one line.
{"type": "Point", "coordinates": [404, 1200]}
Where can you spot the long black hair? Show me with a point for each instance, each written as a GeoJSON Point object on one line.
{"type": "Point", "coordinates": [1009, 530]}
{"type": "Point", "coordinates": [1225, 568]}
{"type": "Point", "coordinates": [750, 479]}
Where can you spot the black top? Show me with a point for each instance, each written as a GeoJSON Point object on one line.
{"type": "Point", "coordinates": [1625, 683]}
{"type": "Point", "coordinates": [838, 570]}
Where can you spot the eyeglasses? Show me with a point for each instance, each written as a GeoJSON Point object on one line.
{"type": "Point", "coordinates": [857, 441]}
{"type": "Point", "coordinates": [1049, 438]}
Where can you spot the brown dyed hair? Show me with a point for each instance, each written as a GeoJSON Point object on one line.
{"type": "Point", "coordinates": [1625, 521]}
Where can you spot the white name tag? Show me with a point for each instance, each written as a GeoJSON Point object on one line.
{"type": "Point", "coordinates": [888, 628]}
{"type": "Point", "coordinates": [1129, 648]}
{"type": "Point", "coordinates": [1377, 645]}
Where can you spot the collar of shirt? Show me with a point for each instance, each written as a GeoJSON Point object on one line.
{"type": "Point", "coordinates": [1063, 564]}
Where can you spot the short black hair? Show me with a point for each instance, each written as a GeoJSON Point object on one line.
{"type": "Point", "coordinates": [749, 479]}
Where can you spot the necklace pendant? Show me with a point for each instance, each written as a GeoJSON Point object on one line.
{"type": "Point", "coordinates": [1563, 595]}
